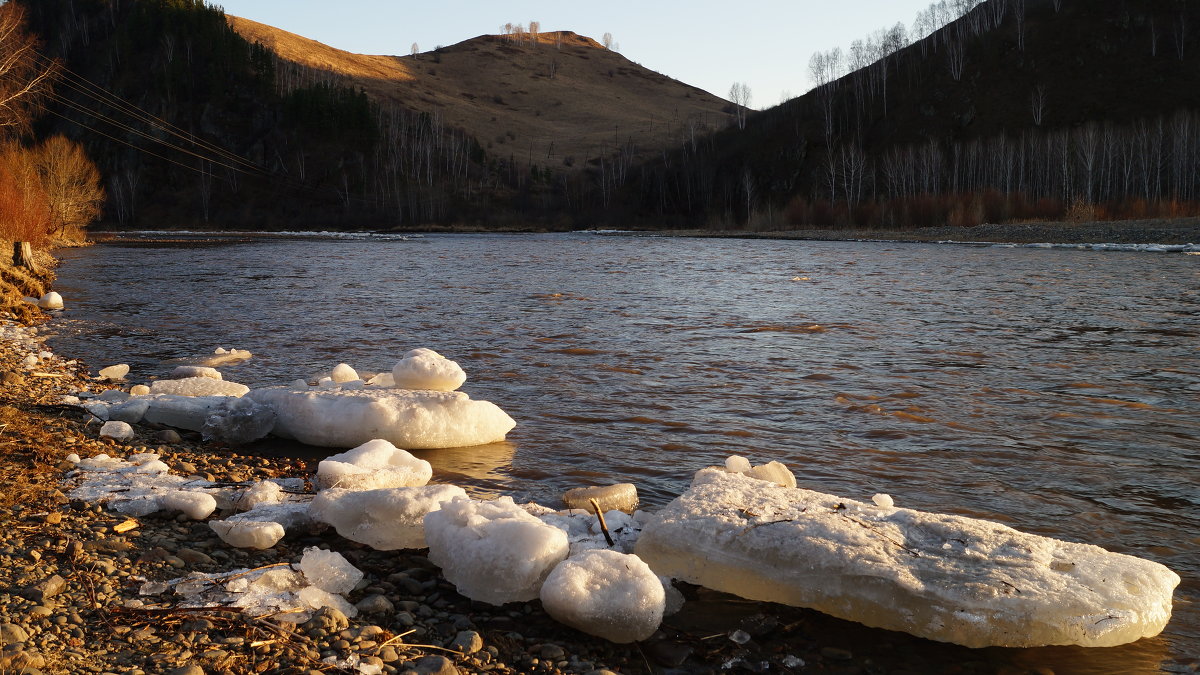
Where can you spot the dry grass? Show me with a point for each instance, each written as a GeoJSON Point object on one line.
{"type": "Point", "coordinates": [557, 103]}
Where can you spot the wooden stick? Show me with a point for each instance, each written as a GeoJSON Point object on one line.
{"type": "Point", "coordinates": [603, 525]}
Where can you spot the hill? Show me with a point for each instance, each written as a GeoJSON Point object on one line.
{"type": "Point", "coordinates": [1017, 109]}
{"type": "Point", "coordinates": [554, 99]}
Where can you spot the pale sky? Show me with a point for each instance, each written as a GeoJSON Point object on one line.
{"type": "Point", "coordinates": [705, 43]}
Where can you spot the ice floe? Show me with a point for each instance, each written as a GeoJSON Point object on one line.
{"type": "Point", "coordinates": [385, 519]}
{"type": "Point", "coordinates": [608, 594]}
{"type": "Point", "coordinates": [374, 464]}
{"type": "Point", "coordinates": [943, 577]}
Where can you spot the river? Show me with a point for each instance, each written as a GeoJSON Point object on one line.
{"type": "Point", "coordinates": [1057, 391]}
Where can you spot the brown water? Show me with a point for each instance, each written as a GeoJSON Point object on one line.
{"type": "Point", "coordinates": [1057, 391]}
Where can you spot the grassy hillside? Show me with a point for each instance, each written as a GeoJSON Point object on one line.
{"type": "Point", "coordinates": [556, 99]}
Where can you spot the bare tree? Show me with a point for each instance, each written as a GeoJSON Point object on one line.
{"type": "Point", "coordinates": [740, 95]}
{"type": "Point", "coordinates": [535, 27]}
{"type": "Point", "coordinates": [607, 41]}
{"type": "Point", "coordinates": [71, 183]}
{"type": "Point", "coordinates": [1037, 103]}
{"type": "Point", "coordinates": [24, 76]}
{"type": "Point", "coordinates": [416, 49]}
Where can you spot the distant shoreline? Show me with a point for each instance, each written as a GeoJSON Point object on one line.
{"type": "Point", "coordinates": [1150, 231]}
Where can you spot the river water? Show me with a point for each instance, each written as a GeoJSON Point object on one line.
{"type": "Point", "coordinates": [1057, 391]}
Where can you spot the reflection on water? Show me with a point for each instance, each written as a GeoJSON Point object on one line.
{"type": "Point", "coordinates": [1055, 391]}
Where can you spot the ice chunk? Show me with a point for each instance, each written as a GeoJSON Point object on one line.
{"type": "Point", "coordinates": [73, 458]}
{"type": "Point", "coordinates": [343, 373]}
{"type": "Point", "coordinates": [317, 598]}
{"type": "Point", "coordinates": [374, 464]}
{"type": "Point", "coordinates": [182, 412]}
{"type": "Point", "coordinates": [184, 372]}
{"type": "Point", "coordinates": [771, 471]}
{"type": "Point", "coordinates": [584, 532]}
{"type": "Point", "coordinates": [195, 505]}
{"type": "Point", "coordinates": [97, 409]}
{"type": "Point", "coordinates": [943, 577]}
{"type": "Point", "coordinates": [261, 492]}
{"type": "Point", "coordinates": [114, 373]}
{"type": "Point", "coordinates": [493, 551]}
{"type": "Point", "coordinates": [120, 431]}
{"type": "Point", "coordinates": [30, 361]}
{"type": "Point", "coordinates": [883, 501]}
{"type": "Point", "coordinates": [113, 396]}
{"type": "Point", "coordinates": [414, 420]}
{"type": "Point", "coordinates": [238, 421]}
{"type": "Point", "coordinates": [131, 411]}
{"type": "Point", "coordinates": [607, 594]}
{"type": "Point", "coordinates": [385, 520]}
{"type": "Point", "coordinates": [198, 386]}
{"type": "Point", "coordinates": [329, 570]}
{"type": "Point", "coordinates": [51, 300]}
{"type": "Point", "coordinates": [248, 533]}
{"type": "Point", "coordinates": [382, 380]}
{"type": "Point", "coordinates": [139, 390]}
{"type": "Point", "coordinates": [222, 357]}
{"type": "Point", "coordinates": [621, 497]}
{"type": "Point", "coordinates": [427, 369]}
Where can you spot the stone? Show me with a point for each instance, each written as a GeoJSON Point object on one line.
{"type": "Point", "coordinates": [191, 669]}
{"type": "Point", "coordinates": [375, 604]}
{"type": "Point", "coordinates": [168, 436]}
{"type": "Point", "coordinates": [328, 619]}
{"type": "Point", "coordinates": [194, 557]}
{"type": "Point", "coordinates": [10, 379]}
{"type": "Point", "coordinates": [46, 589]}
{"type": "Point", "coordinates": [11, 633]}
{"type": "Point", "coordinates": [949, 578]}
{"type": "Point", "coordinates": [467, 642]}
{"type": "Point", "coordinates": [434, 665]}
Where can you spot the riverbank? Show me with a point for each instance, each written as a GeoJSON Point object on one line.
{"type": "Point", "coordinates": [416, 621]}
{"type": "Point", "coordinates": [1155, 231]}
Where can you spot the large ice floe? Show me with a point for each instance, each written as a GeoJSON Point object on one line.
{"type": "Point", "coordinates": [412, 419]}
{"type": "Point", "coordinates": [943, 577]}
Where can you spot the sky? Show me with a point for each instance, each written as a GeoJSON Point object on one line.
{"type": "Point", "coordinates": [708, 44]}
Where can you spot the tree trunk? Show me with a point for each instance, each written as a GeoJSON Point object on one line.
{"type": "Point", "coordinates": [23, 255]}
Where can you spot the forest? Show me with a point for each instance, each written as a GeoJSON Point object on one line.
{"type": "Point", "coordinates": [996, 111]}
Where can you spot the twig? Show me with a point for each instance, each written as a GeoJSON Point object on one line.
{"type": "Point", "coordinates": [395, 639]}
{"type": "Point", "coordinates": [603, 525]}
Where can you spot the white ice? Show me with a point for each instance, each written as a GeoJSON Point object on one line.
{"type": "Point", "coordinates": [222, 357]}
{"type": "Point", "coordinates": [51, 300]}
{"type": "Point", "coordinates": [386, 519]}
{"type": "Point", "coordinates": [342, 372]}
{"type": "Point", "coordinates": [139, 390]}
{"type": "Point", "coordinates": [622, 497]}
{"type": "Point", "coordinates": [184, 372]}
{"type": "Point", "coordinates": [195, 505]}
{"type": "Point", "coordinates": [182, 412]}
{"type": "Point", "coordinates": [426, 369]}
{"type": "Point", "coordinates": [409, 419]}
{"type": "Point", "coordinates": [237, 421]}
{"type": "Point", "coordinates": [942, 577]}
{"type": "Point", "coordinates": [262, 526]}
{"type": "Point", "coordinates": [329, 570]}
{"type": "Point", "coordinates": [374, 464]}
{"type": "Point", "coordinates": [584, 532]}
{"type": "Point", "coordinates": [608, 594]}
{"type": "Point", "coordinates": [493, 551]}
{"type": "Point", "coordinates": [114, 373]}
{"type": "Point", "coordinates": [774, 472]}
{"type": "Point", "coordinates": [198, 386]}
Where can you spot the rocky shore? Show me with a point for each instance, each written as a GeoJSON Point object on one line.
{"type": "Point", "coordinates": [71, 575]}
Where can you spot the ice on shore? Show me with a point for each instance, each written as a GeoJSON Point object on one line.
{"type": "Point", "coordinates": [608, 594]}
{"type": "Point", "coordinates": [262, 526]}
{"type": "Point", "coordinates": [120, 431]}
{"type": "Point", "coordinates": [342, 372]}
{"type": "Point", "coordinates": [374, 464]}
{"type": "Point", "coordinates": [184, 372]}
{"type": "Point", "coordinates": [774, 472]}
{"type": "Point", "coordinates": [198, 386]}
{"type": "Point", "coordinates": [182, 412]}
{"type": "Point", "coordinates": [942, 577]}
{"type": "Point", "coordinates": [283, 593]}
{"type": "Point", "coordinates": [114, 373]}
{"type": "Point", "coordinates": [584, 532]}
{"type": "Point", "coordinates": [223, 357]}
{"type": "Point", "coordinates": [329, 570]}
{"type": "Point", "coordinates": [621, 497]}
{"type": "Point", "coordinates": [131, 411]}
{"type": "Point", "coordinates": [139, 485]}
{"type": "Point", "coordinates": [195, 505]}
{"type": "Point", "coordinates": [237, 421]}
{"type": "Point", "coordinates": [51, 300]}
{"type": "Point", "coordinates": [386, 519]}
{"type": "Point", "coordinates": [415, 420]}
{"type": "Point", "coordinates": [426, 369]}
{"type": "Point", "coordinates": [493, 551]}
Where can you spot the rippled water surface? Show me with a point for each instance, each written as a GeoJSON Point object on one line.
{"type": "Point", "coordinates": [1057, 391]}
